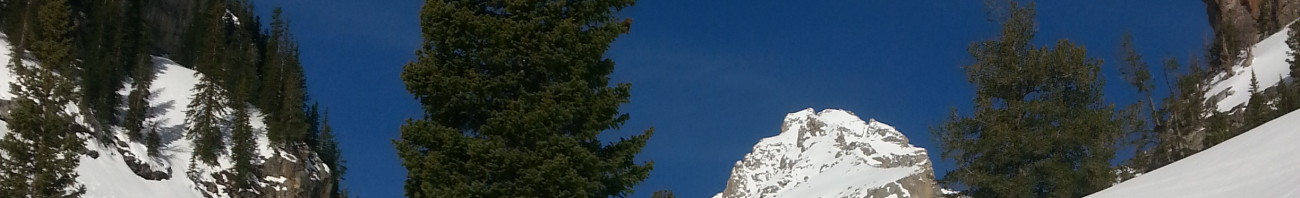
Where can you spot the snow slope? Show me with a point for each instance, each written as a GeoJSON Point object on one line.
{"type": "Point", "coordinates": [1259, 163]}
{"type": "Point", "coordinates": [1269, 65]}
{"type": "Point", "coordinates": [832, 154]}
{"type": "Point", "coordinates": [109, 176]}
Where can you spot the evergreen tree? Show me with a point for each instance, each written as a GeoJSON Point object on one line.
{"type": "Point", "coordinates": [331, 154]}
{"type": "Point", "coordinates": [104, 46]}
{"type": "Point", "coordinates": [1256, 108]}
{"type": "Point", "coordinates": [243, 148]}
{"type": "Point", "coordinates": [41, 150]}
{"type": "Point", "coordinates": [203, 119]}
{"type": "Point", "coordinates": [271, 65]}
{"type": "Point", "coordinates": [313, 126]}
{"type": "Point", "coordinates": [1292, 92]}
{"type": "Point", "coordinates": [207, 106]}
{"type": "Point", "coordinates": [515, 95]}
{"type": "Point", "coordinates": [291, 117]}
{"type": "Point", "coordinates": [1040, 128]}
{"type": "Point", "coordinates": [142, 75]}
{"type": "Point", "coordinates": [1138, 74]}
{"type": "Point", "coordinates": [1293, 41]}
{"type": "Point", "coordinates": [1267, 21]}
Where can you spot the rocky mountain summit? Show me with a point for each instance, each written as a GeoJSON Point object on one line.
{"type": "Point", "coordinates": [833, 153]}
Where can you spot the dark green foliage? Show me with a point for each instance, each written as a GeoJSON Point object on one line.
{"type": "Point", "coordinates": [271, 66]}
{"type": "Point", "coordinates": [663, 194]}
{"type": "Point", "coordinates": [313, 126]}
{"type": "Point", "coordinates": [1218, 128]}
{"type": "Point", "coordinates": [243, 147]}
{"type": "Point", "coordinates": [208, 105]}
{"type": "Point", "coordinates": [291, 119]}
{"type": "Point", "coordinates": [111, 47]}
{"type": "Point", "coordinates": [41, 150]}
{"type": "Point", "coordinates": [515, 95]}
{"type": "Point", "coordinates": [203, 120]}
{"type": "Point", "coordinates": [153, 141]}
{"type": "Point", "coordinates": [1178, 120]}
{"type": "Point", "coordinates": [1134, 70]}
{"type": "Point", "coordinates": [331, 154]}
{"type": "Point", "coordinates": [1267, 21]}
{"type": "Point", "coordinates": [1040, 127]}
{"type": "Point", "coordinates": [1257, 109]}
{"type": "Point", "coordinates": [13, 16]}
{"type": "Point", "coordinates": [107, 61]}
{"type": "Point", "coordinates": [1291, 91]}
{"type": "Point", "coordinates": [1138, 74]}
{"type": "Point", "coordinates": [283, 88]}
{"type": "Point", "coordinates": [142, 76]}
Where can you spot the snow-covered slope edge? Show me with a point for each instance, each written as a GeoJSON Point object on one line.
{"type": "Point", "coordinates": [1258, 163]}
{"type": "Point", "coordinates": [1267, 60]}
{"type": "Point", "coordinates": [832, 154]}
{"type": "Point", "coordinates": [108, 172]}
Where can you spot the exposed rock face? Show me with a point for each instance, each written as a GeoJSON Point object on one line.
{"type": "Point", "coordinates": [294, 172]}
{"type": "Point", "coordinates": [1239, 18]}
{"type": "Point", "coordinates": [833, 154]}
{"type": "Point", "coordinates": [289, 175]}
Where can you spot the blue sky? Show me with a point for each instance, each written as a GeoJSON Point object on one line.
{"type": "Point", "coordinates": [714, 77]}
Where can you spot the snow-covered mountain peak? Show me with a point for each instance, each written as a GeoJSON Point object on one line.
{"type": "Point", "coordinates": [832, 153]}
{"type": "Point", "coordinates": [840, 126]}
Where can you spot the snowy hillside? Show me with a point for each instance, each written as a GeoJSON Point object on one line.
{"type": "Point", "coordinates": [110, 173]}
{"type": "Point", "coordinates": [832, 154]}
{"type": "Point", "coordinates": [1267, 62]}
{"type": "Point", "coordinates": [1259, 163]}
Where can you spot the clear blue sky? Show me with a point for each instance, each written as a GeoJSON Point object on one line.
{"type": "Point", "coordinates": [714, 77]}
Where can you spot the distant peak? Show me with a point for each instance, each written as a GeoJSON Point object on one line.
{"type": "Point", "coordinates": [801, 113]}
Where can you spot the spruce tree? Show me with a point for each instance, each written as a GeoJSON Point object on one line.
{"type": "Point", "coordinates": [207, 106]}
{"type": "Point", "coordinates": [313, 126]}
{"type": "Point", "coordinates": [1256, 108]}
{"type": "Point", "coordinates": [515, 96]}
{"type": "Point", "coordinates": [243, 148]}
{"type": "Point", "coordinates": [331, 154]}
{"type": "Point", "coordinates": [104, 46]}
{"type": "Point", "coordinates": [1040, 128]}
{"type": "Point", "coordinates": [203, 119]}
{"type": "Point", "coordinates": [142, 75]}
{"type": "Point", "coordinates": [41, 150]}
{"type": "Point", "coordinates": [268, 97]}
{"type": "Point", "coordinates": [1291, 92]}
{"type": "Point", "coordinates": [292, 117]}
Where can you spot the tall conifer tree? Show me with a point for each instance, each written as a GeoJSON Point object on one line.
{"type": "Point", "coordinates": [207, 106]}
{"type": "Point", "coordinates": [331, 154]}
{"type": "Point", "coordinates": [41, 150]}
{"type": "Point", "coordinates": [515, 95]}
{"type": "Point", "coordinates": [243, 147]}
{"type": "Point", "coordinates": [142, 75]}
{"type": "Point", "coordinates": [1040, 128]}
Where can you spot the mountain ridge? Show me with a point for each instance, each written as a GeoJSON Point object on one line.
{"type": "Point", "coordinates": [833, 153]}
